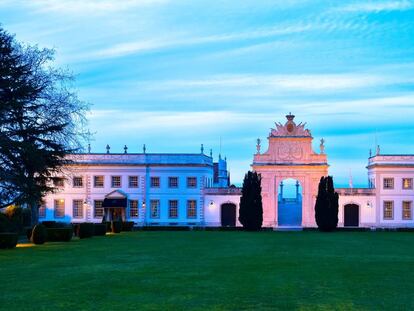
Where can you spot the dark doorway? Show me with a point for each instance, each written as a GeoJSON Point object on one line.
{"type": "Point", "coordinates": [228, 215]}
{"type": "Point", "coordinates": [351, 215]}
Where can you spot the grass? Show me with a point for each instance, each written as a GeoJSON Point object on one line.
{"type": "Point", "coordinates": [214, 271]}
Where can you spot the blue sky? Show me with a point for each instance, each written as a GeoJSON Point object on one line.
{"type": "Point", "coordinates": [175, 74]}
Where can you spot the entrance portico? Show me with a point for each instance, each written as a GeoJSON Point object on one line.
{"type": "Point", "coordinates": [290, 155]}
{"type": "Point", "coordinates": [115, 204]}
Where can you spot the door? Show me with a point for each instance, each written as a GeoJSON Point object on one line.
{"type": "Point", "coordinates": [228, 215]}
{"type": "Point", "coordinates": [351, 215]}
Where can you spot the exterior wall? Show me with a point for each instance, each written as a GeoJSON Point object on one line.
{"type": "Point", "coordinates": [214, 198]}
{"type": "Point", "coordinates": [366, 201]}
{"type": "Point", "coordinates": [397, 167]}
{"type": "Point", "coordinates": [144, 193]}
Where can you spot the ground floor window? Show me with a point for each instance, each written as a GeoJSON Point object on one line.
{"type": "Point", "coordinates": [155, 208]}
{"type": "Point", "coordinates": [388, 210]}
{"type": "Point", "coordinates": [42, 211]}
{"type": "Point", "coordinates": [77, 208]}
{"type": "Point", "coordinates": [407, 214]}
{"type": "Point", "coordinates": [59, 208]}
{"type": "Point", "coordinates": [98, 210]}
{"type": "Point", "coordinates": [133, 208]}
{"type": "Point", "coordinates": [191, 209]}
{"type": "Point", "coordinates": [173, 209]}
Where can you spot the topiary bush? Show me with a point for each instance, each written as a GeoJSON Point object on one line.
{"type": "Point", "coordinates": [5, 224]}
{"type": "Point", "coordinates": [28, 231]}
{"type": "Point", "coordinates": [127, 225]}
{"type": "Point", "coordinates": [99, 229]}
{"type": "Point", "coordinates": [59, 234]}
{"type": "Point", "coordinates": [8, 240]}
{"type": "Point", "coordinates": [116, 226]}
{"type": "Point", "coordinates": [49, 223]}
{"type": "Point", "coordinates": [85, 230]}
{"type": "Point", "coordinates": [326, 206]}
{"type": "Point", "coordinates": [39, 234]}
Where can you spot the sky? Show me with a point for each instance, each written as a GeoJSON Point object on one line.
{"type": "Point", "coordinates": [177, 74]}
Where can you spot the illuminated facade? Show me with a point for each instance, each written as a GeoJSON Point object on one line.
{"type": "Point", "coordinates": [192, 190]}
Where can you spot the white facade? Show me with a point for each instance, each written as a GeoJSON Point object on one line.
{"type": "Point", "coordinates": [163, 181]}
{"type": "Point", "coordinates": [191, 190]}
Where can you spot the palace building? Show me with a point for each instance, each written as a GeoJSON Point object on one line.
{"type": "Point", "coordinates": [192, 190]}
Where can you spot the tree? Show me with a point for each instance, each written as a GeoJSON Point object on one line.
{"type": "Point", "coordinates": [251, 210]}
{"type": "Point", "coordinates": [41, 121]}
{"type": "Point", "coordinates": [326, 207]}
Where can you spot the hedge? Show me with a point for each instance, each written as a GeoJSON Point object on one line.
{"type": "Point", "coordinates": [166, 228]}
{"type": "Point", "coordinates": [49, 223]}
{"type": "Point", "coordinates": [116, 226]}
{"type": "Point", "coordinates": [8, 240]}
{"type": "Point", "coordinates": [85, 230]}
{"type": "Point", "coordinates": [59, 234]}
{"type": "Point", "coordinates": [127, 225]}
{"type": "Point", "coordinates": [39, 234]}
{"type": "Point", "coordinates": [99, 229]}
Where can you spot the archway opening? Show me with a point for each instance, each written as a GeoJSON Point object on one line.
{"type": "Point", "coordinates": [289, 203]}
{"type": "Point", "coordinates": [228, 215]}
{"type": "Point", "coordinates": [351, 215]}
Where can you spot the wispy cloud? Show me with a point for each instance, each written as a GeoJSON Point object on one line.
{"type": "Point", "coordinates": [81, 7]}
{"type": "Point", "coordinates": [290, 82]}
{"type": "Point", "coordinates": [377, 6]}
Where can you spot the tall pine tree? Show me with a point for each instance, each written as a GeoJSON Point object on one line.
{"type": "Point", "coordinates": [41, 121]}
{"type": "Point", "coordinates": [251, 210]}
{"type": "Point", "coordinates": [326, 207]}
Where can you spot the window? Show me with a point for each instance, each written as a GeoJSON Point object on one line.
{"type": "Point", "coordinates": [173, 182]}
{"type": "Point", "coordinates": [59, 182]}
{"type": "Point", "coordinates": [133, 208]}
{"type": "Point", "coordinates": [59, 208]}
{"type": "Point", "coordinates": [191, 182]}
{"type": "Point", "coordinates": [155, 209]}
{"type": "Point", "coordinates": [77, 209]}
{"type": "Point", "coordinates": [191, 209]}
{"type": "Point", "coordinates": [155, 182]}
{"type": "Point", "coordinates": [77, 182]}
{"type": "Point", "coordinates": [116, 181]}
{"type": "Point", "coordinates": [388, 183]}
{"type": "Point", "coordinates": [173, 209]}
{"type": "Point", "coordinates": [407, 183]}
{"type": "Point", "coordinates": [98, 210]}
{"type": "Point", "coordinates": [42, 211]}
{"type": "Point", "coordinates": [133, 181]}
{"type": "Point", "coordinates": [407, 214]}
{"type": "Point", "coordinates": [98, 181]}
{"type": "Point", "coordinates": [388, 209]}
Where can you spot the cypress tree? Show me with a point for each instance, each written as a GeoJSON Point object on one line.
{"type": "Point", "coordinates": [326, 207]}
{"type": "Point", "coordinates": [251, 210]}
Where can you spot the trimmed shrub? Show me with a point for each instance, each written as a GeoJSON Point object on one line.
{"type": "Point", "coordinates": [14, 214]}
{"type": "Point", "coordinates": [59, 234]}
{"type": "Point", "coordinates": [8, 240]}
{"type": "Point", "coordinates": [116, 226]}
{"type": "Point", "coordinates": [39, 234]}
{"type": "Point", "coordinates": [28, 231]}
{"type": "Point", "coordinates": [127, 225]}
{"type": "Point", "coordinates": [5, 224]}
{"type": "Point", "coordinates": [99, 229]}
{"type": "Point", "coordinates": [166, 228]}
{"type": "Point", "coordinates": [49, 223]}
{"type": "Point", "coordinates": [85, 230]}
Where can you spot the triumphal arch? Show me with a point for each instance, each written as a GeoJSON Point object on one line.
{"type": "Point", "coordinates": [290, 156]}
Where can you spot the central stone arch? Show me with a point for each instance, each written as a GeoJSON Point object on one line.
{"type": "Point", "coordinates": [290, 155]}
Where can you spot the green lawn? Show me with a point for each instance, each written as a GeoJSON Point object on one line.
{"type": "Point", "coordinates": [213, 270]}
